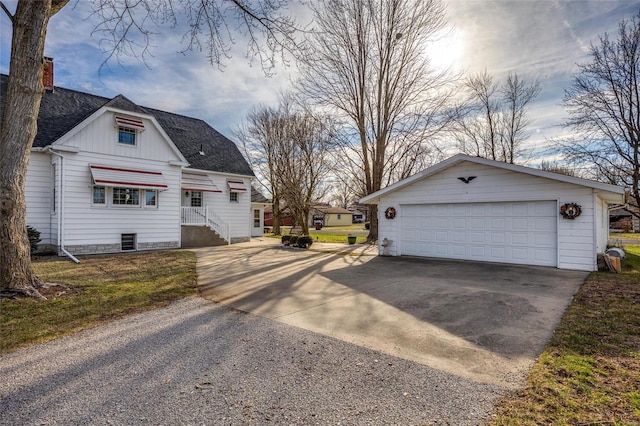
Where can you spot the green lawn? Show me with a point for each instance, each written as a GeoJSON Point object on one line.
{"type": "Point", "coordinates": [105, 288]}
{"type": "Point", "coordinates": [624, 236]}
{"type": "Point", "coordinates": [589, 373]}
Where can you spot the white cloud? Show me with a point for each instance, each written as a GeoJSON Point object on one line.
{"type": "Point", "coordinates": [536, 39]}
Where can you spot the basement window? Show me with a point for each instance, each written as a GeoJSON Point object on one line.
{"type": "Point", "coordinates": [128, 242]}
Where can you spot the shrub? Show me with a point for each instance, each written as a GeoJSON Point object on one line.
{"type": "Point", "coordinates": [305, 241]}
{"type": "Point", "coordinates": [367, 225]}
{"type": "Point", "coordinates": [293, 240]}
{"type": "Point", "coordinates": [286, 240]}
{"type": "Point", "coordinates": [34, 238]}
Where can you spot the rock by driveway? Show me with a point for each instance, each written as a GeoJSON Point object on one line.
{"type": "Point", "coordinates": [482, 321]}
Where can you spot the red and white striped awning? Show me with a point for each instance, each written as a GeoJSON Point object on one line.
{"type": "Point", "coordinates": [131, 122]}
{"type": "Point", "coordinates": [236, 186]}
{"type": "Point", "coordinates": [198, 182]}
{"type": "Point", "coordinates": [127, 178]}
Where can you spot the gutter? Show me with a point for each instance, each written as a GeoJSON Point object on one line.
{"type": "Point", "coordinates": [61, 212]}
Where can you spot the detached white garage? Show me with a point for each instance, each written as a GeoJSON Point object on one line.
{"type": "Point", "coordinates": [472, 208]}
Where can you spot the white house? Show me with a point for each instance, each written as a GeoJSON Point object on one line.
{"type": "Point", "coordinates": [472, 208]}
{"type": "Point", "coordinates": [107, 175]}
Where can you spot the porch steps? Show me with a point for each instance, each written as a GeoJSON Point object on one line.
{"type": "Point", "coordinates": [200, 236]}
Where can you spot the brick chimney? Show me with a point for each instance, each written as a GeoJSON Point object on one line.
{"type": "Point", "coordinates": [47, 77]}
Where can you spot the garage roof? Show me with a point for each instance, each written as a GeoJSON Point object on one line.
{"type": "Point", "coordinates": [611, 193]}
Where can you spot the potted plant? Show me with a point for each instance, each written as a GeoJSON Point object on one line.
{"type": "Point", "coordinates": [351, 239]}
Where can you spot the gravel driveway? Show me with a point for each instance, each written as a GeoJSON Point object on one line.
{"type": "Point", "coordinates": [197, 362]}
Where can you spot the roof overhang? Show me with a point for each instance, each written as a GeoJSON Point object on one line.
{"type": "Point", "coordinates": [609, 193]}
{"type": "Point", "coordinates": [127, 178]}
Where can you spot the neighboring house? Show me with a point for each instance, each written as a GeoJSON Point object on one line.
{"type": "Point", "coordinates": [258, 204]}
{"type": "Point", "coordinates": [472, 208]}
{"type": "Point", "coordinates": [357, 216]}
{"type": "Point", "coordinates": [628, 213]}
{"type": "Point", "coordinates": [285, 217]}
{"type": "Point", "coordinates": [330, 216]}
{"type": "Point", "coordinates": [107, 175]}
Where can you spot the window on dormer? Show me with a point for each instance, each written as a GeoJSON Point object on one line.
{"type": "Point", "coordinates": [126, 136]}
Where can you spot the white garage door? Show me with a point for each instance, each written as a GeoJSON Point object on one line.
{"type": "Point", "coordinates": [518, 232]}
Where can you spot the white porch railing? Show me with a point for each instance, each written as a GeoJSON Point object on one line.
{"type": "Point", "coordinates": [204, 216]}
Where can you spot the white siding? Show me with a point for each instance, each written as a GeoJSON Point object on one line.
{"type": "Point", "coordinates": [86, 224]}
{"type": "Point", "coordinates": [101, 136]}
{"type": "Point", "coordinates": [39, 196]}
{"type": "Point", "coordinates": [238, 215]}
{"type": "Point", "coordinates": [602, 225]}
{"type": "Point", "coordinates": [576, 238]}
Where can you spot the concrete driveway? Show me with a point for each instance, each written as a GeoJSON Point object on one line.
{"type": "Point", "coordinates": [486, 322]}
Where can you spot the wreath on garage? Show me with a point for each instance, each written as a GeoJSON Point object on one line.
{"type": "Point", "coordinates": [390, 213]}
{"type": "Point", "coordinates": [570, 210]}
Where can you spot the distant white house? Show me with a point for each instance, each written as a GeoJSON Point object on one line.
{"type": "Point", "coordinates": [107, 175]}
{"type": "Point", "coordinates": [471, 208]}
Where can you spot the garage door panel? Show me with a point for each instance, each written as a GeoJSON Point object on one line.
{"type": "Point", "coordinates": [519, 224]}
{"type": "Point", "coordinates": [518, 232]}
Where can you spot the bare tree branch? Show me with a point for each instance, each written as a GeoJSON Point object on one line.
{"type": "Point", "coordinates": [604, 106]}
{"type": "Point", "coordinates": [367, 64]}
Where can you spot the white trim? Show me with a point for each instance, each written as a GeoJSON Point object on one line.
{"type": "Point", "coordinates": [374, 198]}
{"type": "Point", "coordinates": [59, 143]}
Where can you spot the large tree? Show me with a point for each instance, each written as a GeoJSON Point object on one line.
{"type": "Point", "coordinates": [289, 147]}
{"type": "Point", "coordinates": [125, 25]}
{"type": "Point", "coordinates": [368, 64]}
{"type": "Point", "coordinates": [492, 122]}
{"type": "Point", "coordinates": [261, 135]}
{"type": "Point", "coordinates": [604, 106]}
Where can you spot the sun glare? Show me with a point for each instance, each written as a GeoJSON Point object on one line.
{"type": "Point", "coordinates": [447, 50]}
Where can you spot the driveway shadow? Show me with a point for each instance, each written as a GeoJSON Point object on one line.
{"type": "Point", "coordinates": [484, 321]}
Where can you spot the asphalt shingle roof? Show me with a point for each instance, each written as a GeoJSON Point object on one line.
{"type": "Point", "coordinates": [63, 109]}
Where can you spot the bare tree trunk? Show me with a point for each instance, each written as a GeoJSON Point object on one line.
{"type": "Point", "coordinates": [19, 128]}
{"type": "Point", "coordinates": [373, 223]}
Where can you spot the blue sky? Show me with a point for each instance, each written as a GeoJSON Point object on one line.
{"type": "Point", "coordinates": [536, 39]}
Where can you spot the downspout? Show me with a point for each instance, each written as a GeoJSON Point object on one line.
{"type": "Point", "coordinates": [61, 210]}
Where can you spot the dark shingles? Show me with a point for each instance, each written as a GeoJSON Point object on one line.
{"type": "Point", "coordinates": [63, 109]}
{"type": "Point", "coordinates": [257, 197]}
{"type": "Point", "coordinates": [193, 136]}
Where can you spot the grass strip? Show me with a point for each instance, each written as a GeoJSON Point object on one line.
{"type": "Point", "coordinates": [589, 372]}
{"type": "Point", "coordinates": [105, 288]}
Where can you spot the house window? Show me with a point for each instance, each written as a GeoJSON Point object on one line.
{"type": "Point", "coordinates": [99, 195]}
{"type": "Point", "coordinates": [126, 197]}
{"type": "Point", "coordinates": [150, 198]}
{"type": "Point", "coordinates": [256, 218]}
{"type": "Point", "coordinates": [339, 216]}
{"type": "Point", "coordinates": [233, 197]}
{"type": "Point", "coordinates": [126, 136]}
{"type": "Point", "coordinates": [127, 242]}
{"type": "Point", "coordinates": [196, 199]}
